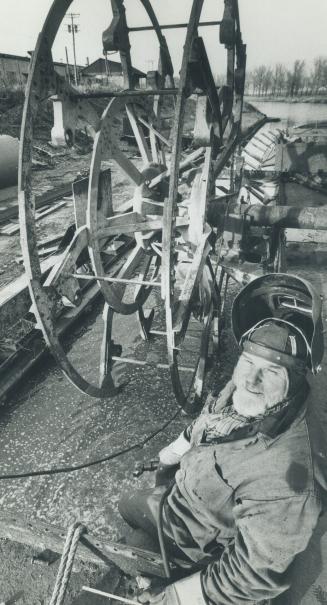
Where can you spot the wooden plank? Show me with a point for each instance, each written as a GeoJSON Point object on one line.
{"type": "Point", "coordinates": [23, 360]}
{"type": "Point", "coordinates": [80, 195]}
{"type": "Point", "coordinates": [15, 299]}
{"type": "Point", "coordinates": [90, 548]}
{"type": "Point", "coordinates": [13, 229]}
{"type": "Point", "coordinates": [42, 253]}
{"type": "Point", "coordinates": [52, 239]}
{"type": "Point", "coordinates": [68, 259]}
{"type": "Point", "coordinates": [40, 200]}
{"type": "Point", "coordinates": [134, 222]}
{"type": "Point", "coordinates": [198, 200]}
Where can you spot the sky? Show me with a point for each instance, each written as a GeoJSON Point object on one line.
{"type": "Point", "coordinates": [274, 30]}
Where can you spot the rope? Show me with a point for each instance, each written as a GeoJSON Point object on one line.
{"type": "Point", "coordinates": [66, 564]}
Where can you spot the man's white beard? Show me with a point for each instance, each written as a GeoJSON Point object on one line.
{"type": "Point", "coordinates": [249, 404]}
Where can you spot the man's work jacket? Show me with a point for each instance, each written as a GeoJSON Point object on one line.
{"type": "Point", "coordinates": [252, 504]}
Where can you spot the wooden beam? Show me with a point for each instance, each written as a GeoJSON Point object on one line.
{"type": "Point", "coordinates": [90, 548]}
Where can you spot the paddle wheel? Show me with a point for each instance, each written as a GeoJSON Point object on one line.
{"type": "Point", "coordinates": [153, 254]}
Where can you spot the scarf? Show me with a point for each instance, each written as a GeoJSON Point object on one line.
{"type": "Point", "coordinates": [219, 422]}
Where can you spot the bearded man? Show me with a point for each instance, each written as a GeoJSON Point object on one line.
{"type": "Point", "coordinates": [250, 481]}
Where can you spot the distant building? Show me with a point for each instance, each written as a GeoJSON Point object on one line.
{"type": "Point", "coordinates": [14, 69]}
{"type": "Point", "coordinates": [14, 72]}
{"type": "Point", "coordinates": [102, 72]}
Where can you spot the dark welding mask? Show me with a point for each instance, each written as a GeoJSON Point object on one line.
{"type": "Point", "coordinates": [278, 316]}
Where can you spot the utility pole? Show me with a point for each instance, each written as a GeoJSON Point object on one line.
{"type": "Point", "coordinates": [67, 64]}
{"type": "Point", "coordinates": [73, 29]}
{"type": "Point", "coordinates": [107, 65]}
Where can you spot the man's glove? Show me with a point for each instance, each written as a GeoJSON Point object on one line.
{"type": "Point", "coordinates": [169, 458]}
{"type": "Point", "coordinates": [184, 592]}
{"type": "Point", "coordinates": [172, 453]}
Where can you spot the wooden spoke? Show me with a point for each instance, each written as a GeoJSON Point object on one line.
{"type": "Point", "coordinates": [139, 134]}
{"type": "Point", "coordinates": [189, 159]}
{"type": "Point", "coordinates": [127, 166]}
{"type": "Point", "coordinates": [155, 132]}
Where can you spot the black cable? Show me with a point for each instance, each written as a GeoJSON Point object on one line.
{"type": "Point", "coordinates": [78, 467]}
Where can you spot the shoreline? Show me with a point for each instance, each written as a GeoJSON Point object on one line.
{"type": "Point", "coordinates": [269, 99]}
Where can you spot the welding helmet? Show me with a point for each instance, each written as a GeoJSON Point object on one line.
{"type": "Point", "coordinates": [278, 316]}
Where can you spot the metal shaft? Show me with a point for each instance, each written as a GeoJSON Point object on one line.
{"type": "Point", "coordinates": [108, 94]}
{"type": "Point", "coordinates": [110, 596]}
{"type": "Point", "coordinates": [171, 26]}
{"type": "Point", "coordinates": [280, 216]}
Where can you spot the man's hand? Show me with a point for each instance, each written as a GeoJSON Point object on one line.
{"type": "Point", "coordinates": [187, 591]}
{"type": "Point", "coordinates": [172, 453]}
{"type": "Point", "coordinates": [168, 596]}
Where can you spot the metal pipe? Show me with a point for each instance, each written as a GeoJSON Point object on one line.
{"type": "Point", "coordinates": [171, 26]}
{"type": "Point", "coordinates": [279, 216]}
{"type": "Point", "coordinates": [108, 94]}
{"type": "Point", "coordinates": [289, 216]}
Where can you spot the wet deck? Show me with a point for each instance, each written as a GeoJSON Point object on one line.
{"type": "Point", "coordinates": [48, 423]}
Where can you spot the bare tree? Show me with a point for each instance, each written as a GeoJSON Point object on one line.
{"type": "Point", "coordinates": [295, 78]}
{"type": "Point", "coordinates": [258, 79]}
{"type": "Point", "coordinates": [319, 74]}
{"type": "Point", "coordinates": [278, 79]}
{"type": "Point", "coordinates": [267, 81]}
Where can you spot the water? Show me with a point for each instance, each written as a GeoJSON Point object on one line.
{"type": "Point", "coordinates": [292, 114]}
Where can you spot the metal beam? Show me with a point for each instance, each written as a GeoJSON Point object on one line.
{"type": "Point", "coordinates": [109, 94]}
{"type": "Point", "coordinates": [172, 26]}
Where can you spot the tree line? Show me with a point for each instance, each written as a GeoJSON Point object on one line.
{"type": "Point", "coordinates": [280, 81]}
